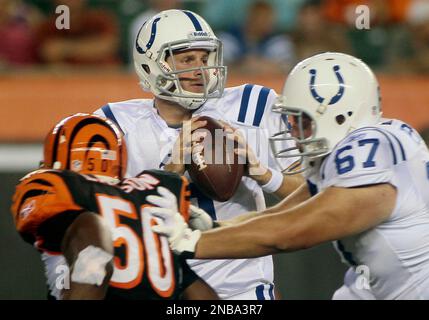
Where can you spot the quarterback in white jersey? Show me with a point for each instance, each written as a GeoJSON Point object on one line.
{"type": "Point", "coordinates": [179, 60]}
{"type": "Point", "coordinates": [367, 187]}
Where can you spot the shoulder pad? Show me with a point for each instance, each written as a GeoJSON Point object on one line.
{"type": "Point", "coordinates": [253, 103]}
{"type": "Point", "coordinates": [39, 196]}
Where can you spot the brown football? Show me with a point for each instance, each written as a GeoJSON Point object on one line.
{"type": "Point", "coordinates": [215, 170]}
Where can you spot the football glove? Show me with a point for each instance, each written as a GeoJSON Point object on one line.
{"type": "Point", "coordinates": [166, 200]}
{"type": "Point", "coordinates": [199, 219]}
{"type": "Point", "coordinates": [181, 238]}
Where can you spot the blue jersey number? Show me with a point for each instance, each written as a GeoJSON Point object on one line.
{"type": "Point", "coordinates": [370, 161]}
{"type": "Point", "coordinates": [346, 163]}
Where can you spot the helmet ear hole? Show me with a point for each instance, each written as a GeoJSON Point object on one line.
{"type": "Point", "coordinates": [146, 68]}
{"type": "Point", "coordinates": [340, 119]}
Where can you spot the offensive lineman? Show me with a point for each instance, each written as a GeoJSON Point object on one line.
{"type": "Point", "coordinates": [367, 187]}
{"type": "Point", "coordinates": [179, 60]}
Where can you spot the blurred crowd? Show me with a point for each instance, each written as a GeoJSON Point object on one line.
{"type": "Point", "coordinates": [259, 36]}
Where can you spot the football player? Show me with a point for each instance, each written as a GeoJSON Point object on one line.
{"type": "Point", "coordinates": [178, 59]}
{"type": "Point", "coordinates": [79, 213]}
{"type": "Point", "coordinates": [367, 187]}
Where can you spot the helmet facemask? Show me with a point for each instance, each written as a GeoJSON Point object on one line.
{"type": "Point", "coordinates": [167, 78]}
{"type": "Point", "coordinates": [301, 128]}
{"type": "Point", "coordinates": [326, 96]}
{"type": "Point", "coordinates": [213, 75]}
{"type": "Point", "coordinates": [172, 32]}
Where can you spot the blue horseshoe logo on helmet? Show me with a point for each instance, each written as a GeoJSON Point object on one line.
{"type": "Point", "coordinates": [152, 37]}
{"type": "Point", "coordinates": [340, 92]}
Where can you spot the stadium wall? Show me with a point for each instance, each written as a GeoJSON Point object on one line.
{"type": "Point", "coordinates": [30, 103]}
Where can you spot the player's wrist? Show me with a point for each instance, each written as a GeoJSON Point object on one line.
{"type": "Point", "coordinates": [260, 174]}
{"type": "Point", "coordinates": [274, 182]}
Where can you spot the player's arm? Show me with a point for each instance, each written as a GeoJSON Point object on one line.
{"type": "Point", "coordinates": [356, 199]}
{"type": "Point", "coordinates": [88, 248]}
{"type": "Point", "coordinates": [200, 220]}
{"type": "Point", "coordinates": [288, 183]}
{"type": "Point", "coordinates": [333, 214]}
{"type": "Point", "coordinates": [44, 209]}
{"type": "Point", "coordinates": [298, 196]}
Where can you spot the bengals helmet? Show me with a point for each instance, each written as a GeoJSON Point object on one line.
{"type": "Point", "coordinates": [87, 144]}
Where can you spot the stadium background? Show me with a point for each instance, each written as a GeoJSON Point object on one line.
{"type": "Point", "coordinates": [35, 93]}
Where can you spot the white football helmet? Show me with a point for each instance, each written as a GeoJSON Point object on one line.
{"type": "Point", "coordinates": [325, 97]}
{"type": "Point", "coordinates": [172, 31]}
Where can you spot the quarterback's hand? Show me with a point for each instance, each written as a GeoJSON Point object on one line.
{"type": "Point", "coordinates": [181, 238]}
{"type": "Point", "coordinates": [254, 168]}
{"type": "Point", "coordinates": [182, 149]}
{"type": "Point", "coordinates": [199, 219]}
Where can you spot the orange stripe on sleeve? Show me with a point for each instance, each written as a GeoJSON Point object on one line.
{"type": "Point", "coordinates": [184, 202]}
{"type": "Point", "coordinates": [40, 197]}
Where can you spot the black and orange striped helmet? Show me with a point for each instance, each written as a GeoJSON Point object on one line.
{"type": "Point", "coordinates": [87, 144]}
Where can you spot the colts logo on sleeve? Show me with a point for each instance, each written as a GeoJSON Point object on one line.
{"type": "Point", "coordinates": [341, 86]}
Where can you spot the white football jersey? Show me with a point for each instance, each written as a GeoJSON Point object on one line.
{"type": "Point", "coordinates": [150, 141]}
{"type": "Point", "coordinates": [394, 255]}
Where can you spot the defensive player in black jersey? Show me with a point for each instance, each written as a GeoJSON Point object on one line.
{"type": "Point", "coordinates": [79, 212]}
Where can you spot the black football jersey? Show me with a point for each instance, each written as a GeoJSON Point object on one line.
{"type": "Point", "coordinates": [46, 202]}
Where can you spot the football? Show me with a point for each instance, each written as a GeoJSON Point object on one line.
{"type": "Point", "coordinates": [215, 169]}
